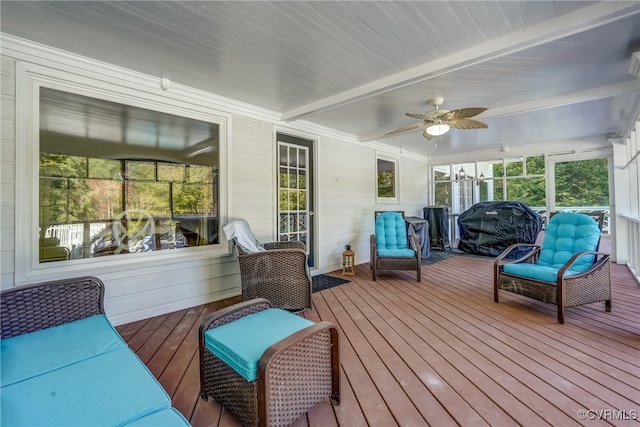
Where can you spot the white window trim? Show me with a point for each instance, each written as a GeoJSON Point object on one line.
{"type": "Point", "coordinates": [116, 85]}
{"type": "Point", "coordinates": [396, 183]}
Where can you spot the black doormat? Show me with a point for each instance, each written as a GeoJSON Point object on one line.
{"type": "Point", "coordinates": [322, 282]}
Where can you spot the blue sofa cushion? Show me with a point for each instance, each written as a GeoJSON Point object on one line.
{"type": "Point", "coordinates": [36, 353]}
{"type": "Point", "coordinates": [241, 343]}
{"type": "Point", "coordinates": [566, 234]}
{"type": "Point", "coordinates": [536, 272]}
{"type": "Point", "coordinates": [163, 418]}
{"type": "Point", "coordinates": [107, 390]}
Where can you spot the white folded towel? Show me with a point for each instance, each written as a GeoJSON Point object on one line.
{"type": "Point", "coordinates": [239, 230]}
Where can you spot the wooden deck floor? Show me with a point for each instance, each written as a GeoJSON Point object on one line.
{"type": "Point", "coordinates": [441, 353]}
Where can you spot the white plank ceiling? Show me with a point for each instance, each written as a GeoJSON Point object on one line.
{"type": "Point", "coordinates": [547, 70]}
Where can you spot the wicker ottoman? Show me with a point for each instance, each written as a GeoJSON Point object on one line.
{"type": "Point", "coordinates": [293, 374]}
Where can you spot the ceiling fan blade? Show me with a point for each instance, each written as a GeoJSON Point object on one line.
{"type": "Point", "coordinates": [461, 123]}
{"type": "Point", "coordinates": [423, 116]}
{"type": "Point", "coordinates": [463, 113]}
{"type": "Point", "coordinates": [427, 135]}
{"type": "Point", "coordinates": [406, 128]}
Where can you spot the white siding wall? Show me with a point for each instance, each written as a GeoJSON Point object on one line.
{"type": "Point", "coordinates": [7, 170]}
{"type": "Point", "coordinates": [252, 176]}
{"type": "Point", "coordinates": [347, 178]}
{"type": "Point", "coordinates": [345, 186]}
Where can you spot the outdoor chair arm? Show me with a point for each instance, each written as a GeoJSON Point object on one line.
{"type": "Point", "coordinates": [296, 244]}
{"type": "Point", "coordinates": [295, 350]}
{"type": "Point", "coordinates": [231, 313]}
{"type": "Point", "coordinates": [533, 253]}
{"type": "Point", "coordinates": [596, 265]}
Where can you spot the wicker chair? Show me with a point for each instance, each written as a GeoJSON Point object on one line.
{"type": "Point", "coordinates": [391, 248]}
{"type": "Point", "coordinates": [567, 270]}
{"type": "Point", "coordinates": [276, 271]}
{"type": "Point", "coordinates": [294, 374]}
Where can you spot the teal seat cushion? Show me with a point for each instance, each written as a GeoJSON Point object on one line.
{"type": "Point", "coordinates": [164, 418]}
{"type": "Point", "coordinates": [36, 353]}
{"type": "Point", "coordinates": [536, 272]}
{"type": "Point", "coordinates": [396, 252]}
{"type": "Point", "coordinates": [241, 343]}
{"type": "Point", "coordinates": [111, 389]}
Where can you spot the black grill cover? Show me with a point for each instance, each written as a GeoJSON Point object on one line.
{"type": "Point", "coordinates": [488, 228]}
{"type": "Point", "coordinates": [438, 218]}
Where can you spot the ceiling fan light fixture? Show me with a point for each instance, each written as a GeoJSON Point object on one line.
{"type": "Point", "coordinates": [438, 129]}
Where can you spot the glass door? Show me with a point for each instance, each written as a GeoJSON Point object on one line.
{"type": "Point", "coordinates": [295, 191]}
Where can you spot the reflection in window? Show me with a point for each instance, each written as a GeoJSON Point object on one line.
{"type": "Point", "coordinates": [117, 179]}
{"type": "Point", "coordinates": [386, 176]}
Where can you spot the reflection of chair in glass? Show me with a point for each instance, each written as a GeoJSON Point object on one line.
{"type": "Point", "coordinates": [50, 250]}
{"type": "Point", "coordinates": [132, 230]}
{"type": "Point", "coordinates": [391, 248]}
{"type": "Point", "coordinates": [566, 270]}
{"type": "Point", "coordinates": [267, 366]}
{"type": "Point", "coordinates": [276, 271]}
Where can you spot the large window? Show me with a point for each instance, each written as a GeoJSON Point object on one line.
{"type": "Point", "coordinates": [459, 186]}
{"type": "Point", "coordinates": [118, 179]}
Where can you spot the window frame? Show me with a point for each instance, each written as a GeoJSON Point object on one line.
{"type": "Point", "coordinates": [116, 86]}
{"type": "Point", "coordinates": [396, 178]}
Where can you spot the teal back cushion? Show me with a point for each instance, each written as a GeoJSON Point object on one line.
{"type": "Point", "coordinates": [391, 231]}
{"type": "Point", "coordinates": [566, 234]}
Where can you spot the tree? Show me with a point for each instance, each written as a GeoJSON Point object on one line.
{"type": "Point", "coordinates": [582, 183]}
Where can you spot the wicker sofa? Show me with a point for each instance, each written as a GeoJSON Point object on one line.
{"type": "Point", "coordinates": [63, 363]}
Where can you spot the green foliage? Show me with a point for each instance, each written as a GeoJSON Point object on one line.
{"type": "Point", "coordinates": [582, 183]}
{"type": "Point", "coordinates": [443, 194]}
{"type": "Point", "coordinates": [530, 191]}
{"type": "Point", "coordinates": [74, 189]}
{"type": "Point", "coordinates": [535, 165]}
{"type": "Point", "coordinates": [514, 168]}
{"type": "Point", "coordinates": [292, 194]}
{"type": "Point", "coordinates": [386, 184]}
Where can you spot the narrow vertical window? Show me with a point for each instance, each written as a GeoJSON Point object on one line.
{"type": "Point", "coordinates": [387, 178]}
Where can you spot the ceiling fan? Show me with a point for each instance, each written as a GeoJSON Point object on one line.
{"type": "Point", "coordinates": [439, 121]}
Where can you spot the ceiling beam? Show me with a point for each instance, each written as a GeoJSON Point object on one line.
{"type": "Point", "coordinates": [563, 26]}
{"type": "Point", "coordinates": [564, 99]}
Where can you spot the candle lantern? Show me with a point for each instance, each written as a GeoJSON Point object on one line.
{"type": "Point", "coordinates": [348, 262]}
